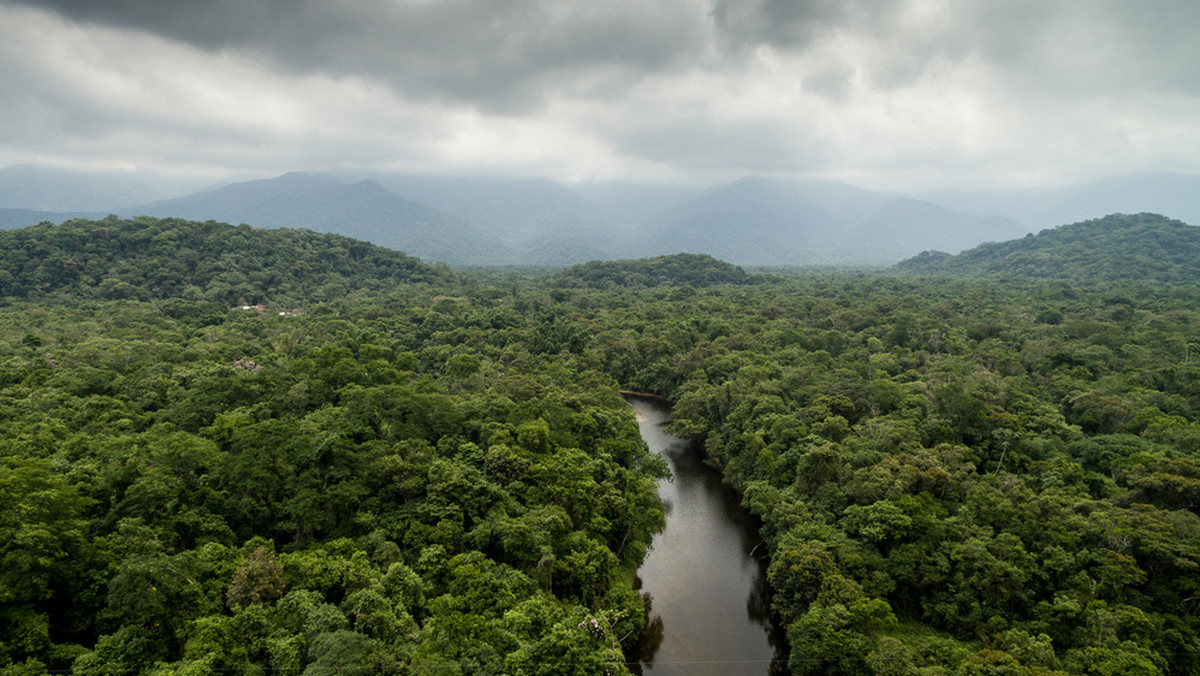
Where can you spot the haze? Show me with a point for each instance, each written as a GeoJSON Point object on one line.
{"type": "Point", "coordinates": [911, 95]}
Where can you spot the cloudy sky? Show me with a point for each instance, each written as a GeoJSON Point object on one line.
{"type": "Point", "coordinates": [897, 94]}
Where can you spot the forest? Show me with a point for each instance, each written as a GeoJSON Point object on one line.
{"type": "Point", "coordinates": [228, 449]}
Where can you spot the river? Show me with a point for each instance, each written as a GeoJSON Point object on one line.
{"type": "Point", "coordinates": [709, 607]}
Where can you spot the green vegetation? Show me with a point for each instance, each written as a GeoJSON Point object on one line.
{"type": "Point", "coordinates": [1010, 466]}
{"type": "Point", "coordinates": [1146, 248]}
{"type": "Point", "coordinates": [694, 270]}
{"type": "Point", "coordinates": [365, 485]}
{"type": "Point", "coordinates": [435, 473]}
{"type": "Point", "coordinates": [148, 258]}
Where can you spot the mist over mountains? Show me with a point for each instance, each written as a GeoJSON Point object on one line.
{"type": "Point", "coordinates": [776, 222]}
{"type": "Point", "coordinates": [37, 188]}
{"type": "Point", "coordinates": [478, 220]}
{"type": "Point", "coordinates": [363, 210]}
{"type": "Point", "coordinates": [1174, 194]}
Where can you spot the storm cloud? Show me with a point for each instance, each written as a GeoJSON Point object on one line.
{"type": "Point", "coordinates": [507, 56]}
{"type": "Point", "coordinates": [905, 94]}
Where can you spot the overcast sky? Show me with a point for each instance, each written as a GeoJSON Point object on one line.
{"type": "Point", "coordinates": [896, 94]}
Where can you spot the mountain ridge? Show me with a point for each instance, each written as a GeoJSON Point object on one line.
{"type": "Point", "coordinates": [481, 220]}
{"type": "Point", "coordinates": [362, 210]}
{"type": "Point", "coordinates": [760, 220]}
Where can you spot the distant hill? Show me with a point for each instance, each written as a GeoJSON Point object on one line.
{"type": "Point", "coordinates": [363, 210]}
{"type": "Point", "coordinates": [790, 222]}
{"type": "Point", "coordinates": [568, 251]}
{"type": "Point", "coordinates": [628, 205]}
{"type": "Point", "coordinates": [751, 221]}
{"type": "Point", "coordinates": [1142, 247]}
{"type": "Point", "coordinates": [147, 258]}
{"type": "Point", "coordinates": [903, 226]}
{"type": "Point", "coordinates": [531, 216]}
{"type": "Point", "coordinates": [489, 220]}
{"type": "Point", "coordinates": [481, 220]}
{"type": "Point", "coordinates": [695, 270]}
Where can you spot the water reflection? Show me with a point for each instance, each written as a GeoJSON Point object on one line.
{"type": "Point", "coordinates": [708, 609]}
{"type": "Point", "coordinates": [652, 635]}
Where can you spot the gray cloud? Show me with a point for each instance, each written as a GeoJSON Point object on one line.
{"type": "Point", "coordinates": [513, 54]}
{"type": "Point", "coordinates": [781, 23]}
{"type": "Point", "coordinates": [1087, 45]}
{"type": "Point", "coordinates": [498, 55]}
{"type": "Point", "coordinates": [870, 88]}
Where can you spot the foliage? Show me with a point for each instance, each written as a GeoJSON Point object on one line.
{"type": "Point", "coordinates": [696, 270]}
{"type": "Point", "coordinates": [148, 258]}
{"type": "Point", "coordinates": [376, 483]}
{"type": "Point", "coordinates": [952, 475]}
{"type": "Point", "coordinates": [1008, 465]}
{"type": "Point", "coordinates": [1143, 247]}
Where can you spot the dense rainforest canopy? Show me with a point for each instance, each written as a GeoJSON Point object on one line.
{"type": "Point", "coordinates": [155, 259]}
{"type": "Point", "coordinates": [434, 473]}
{"type": "Point", "coordinates": [1143, 247]}
{"type": "Point", "coordinates": [694, 270]}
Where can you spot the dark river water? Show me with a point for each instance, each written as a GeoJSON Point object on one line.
{"type": "Point", "coordinates": [708, 600]}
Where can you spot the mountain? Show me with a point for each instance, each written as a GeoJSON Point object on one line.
{"type": "Point", "coordinates": [568, 251]}
{"type": "Point", "coordinates": [523, 212]}
{"type": "Point", "coordinates": [540, 220]}
{"type": "Point", "coordinates": [478, 220]}
{"type": "Point", "coordinates": [1143, 247]}
{"type": "Point", "coordinates": [794, 222]}
{"type": "Point", "coordinates": [1165, 193]}
{"type": "Point", "coordinates": [494, 220]}
{"type": "Point", "coordinates": [628, 205]}
{"type": "Point", "coordinates": [39, 188]}
{"type": "Point", "coordinates": [903, 226]}
{"type": "Point", "coordinates": [363, 210]}
{"type": "Point", "coordinates": [754, 220]}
